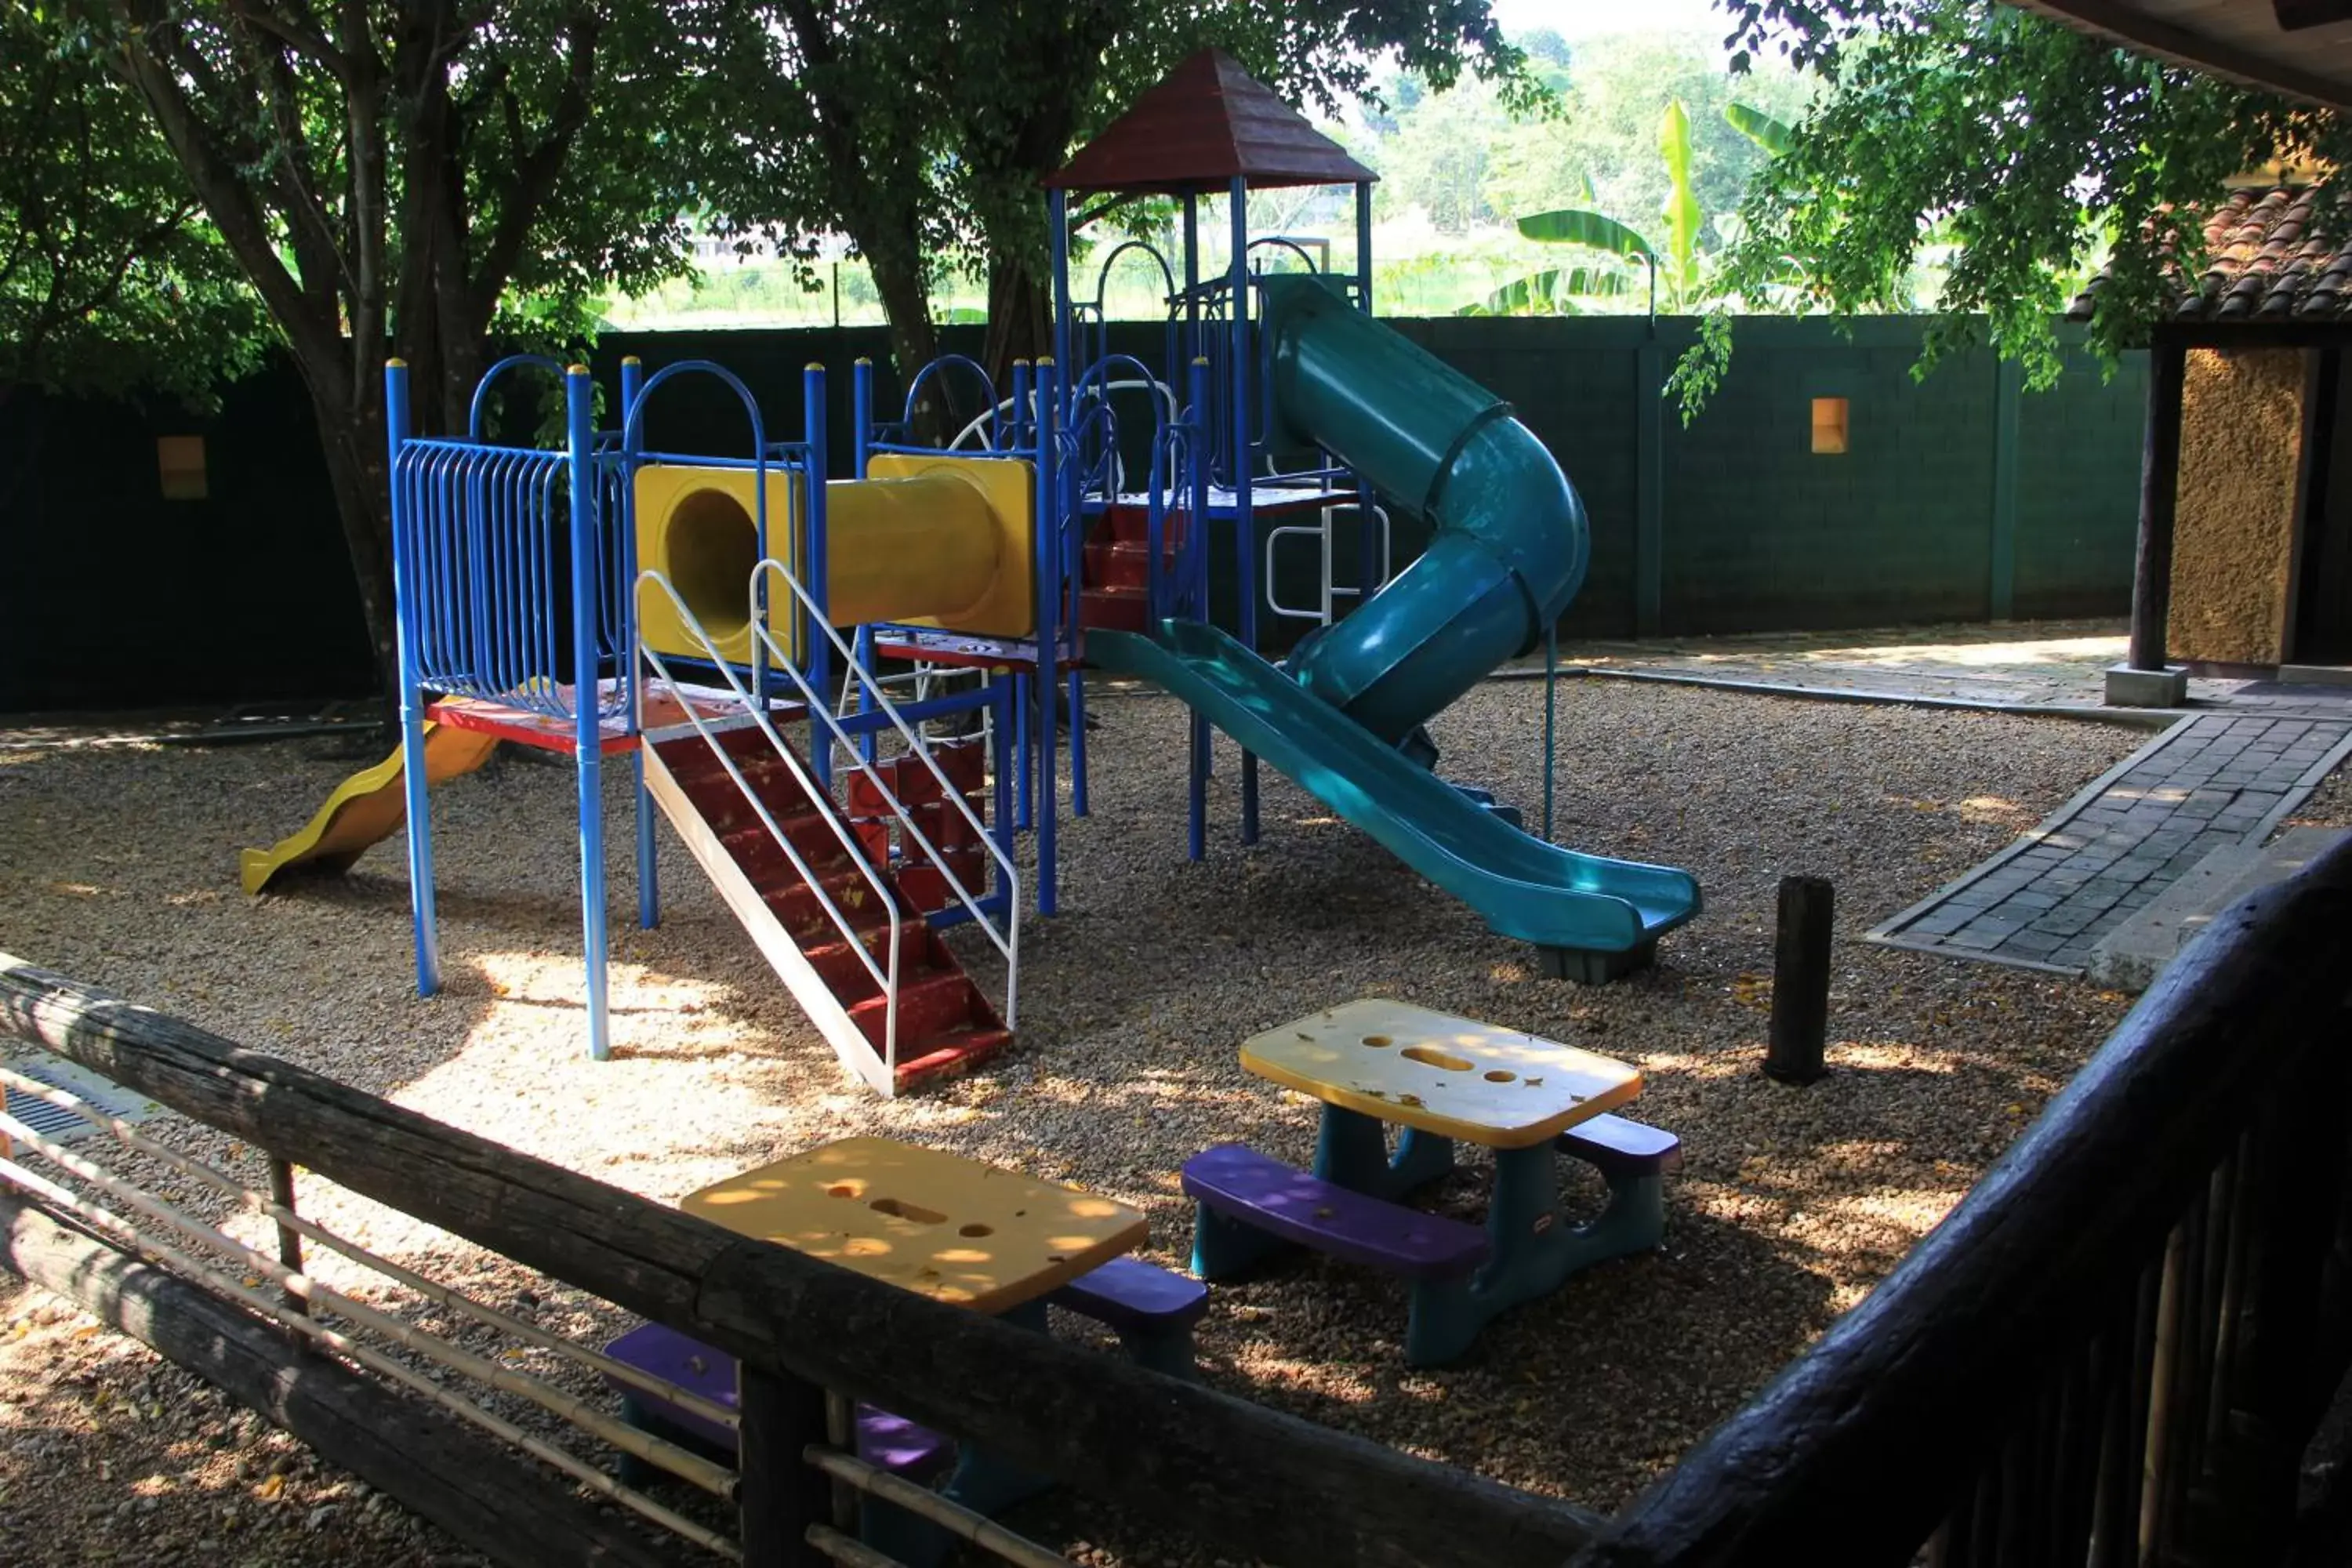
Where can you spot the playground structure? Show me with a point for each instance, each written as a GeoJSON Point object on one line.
{"type": "Point", "coordinates": [774, 649]}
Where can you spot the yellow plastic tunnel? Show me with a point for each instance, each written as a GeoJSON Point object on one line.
{"type": "Point", "coordinates": [939, 541]}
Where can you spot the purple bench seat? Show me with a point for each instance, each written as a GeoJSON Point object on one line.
{"type": "Point", "coordinates": [1130, 1295]}
{"type": "Point", "coordinates": [1263, 1194]}
{"type": "Point", "coordinates": [886, 1441]}
{"type": "Point", "coordinates": [1617, 1147]}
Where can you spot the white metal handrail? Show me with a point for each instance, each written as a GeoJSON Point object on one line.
{"type": "Point", "coordinates": [1322, 532]}
{"type": "Point", "coordinates": [815, 705]}
{"type": "Point", "coordinates": [1008, 943]}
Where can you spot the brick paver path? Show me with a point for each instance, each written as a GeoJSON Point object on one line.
{"type": "Point", "coordinates": [2045, 901]}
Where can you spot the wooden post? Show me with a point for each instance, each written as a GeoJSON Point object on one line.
{"type": "Point", "coordinates": [1801, 981]}
{"type": "Point", "coordinates": [289, 1240]}
{"type": "Point", "coordinates": [782, 1493]}
{"type": "Point", "coordinates": [2159, 491]}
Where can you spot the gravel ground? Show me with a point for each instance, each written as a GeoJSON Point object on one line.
{"type": "Point", "coordinates": [118, 866]}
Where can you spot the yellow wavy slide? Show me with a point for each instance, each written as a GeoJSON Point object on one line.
{"type": "Point", "coordinates": [366, 808]}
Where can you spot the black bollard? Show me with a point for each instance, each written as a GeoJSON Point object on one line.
{"type": "Point", "coordinates": [1801, 981]}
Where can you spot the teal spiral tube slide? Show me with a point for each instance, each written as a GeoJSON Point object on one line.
{"type": "Point", "coordinates": [1507, 553]}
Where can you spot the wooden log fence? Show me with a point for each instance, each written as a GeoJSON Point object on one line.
{"type": "Point", "coordinates": [476, 1489]}
{"type": "Point", "coordinates": [1195, 1461]}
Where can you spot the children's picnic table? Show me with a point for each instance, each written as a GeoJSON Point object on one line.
{"type": "Point", "coordinates": [952, 1228]}
{"type": "Point", "coordinates": [955, 1230]}
{"type": "Point", "coordinates": [1440, 1078]}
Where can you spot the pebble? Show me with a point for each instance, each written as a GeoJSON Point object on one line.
{"type": "Point", "coordinates": [118, 865]}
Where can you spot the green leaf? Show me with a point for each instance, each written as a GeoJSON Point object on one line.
{"type": "Point", "coordinates": [1575, 226]}
{"type": "Point", "coordinates": [1682, 213]}
{"type": "Point", "coordinates": [1775, 136]}
{"type": "Point", "coordinates": [1553, 292]}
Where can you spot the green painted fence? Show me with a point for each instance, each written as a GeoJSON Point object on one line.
{"type": "Point", "coordinates": [1959, 497]}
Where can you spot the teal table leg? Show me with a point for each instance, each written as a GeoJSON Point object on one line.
{"type": "Point", "coordinates": [1534, 1250]}
{"type": "Point", "coordinates": [1167, 1352]}
{"type": "Point", "coordinates": [1420, 1159]}
{"type": "Point", "coordinates": [1224, 1247]}
{"type": "Point", "coordinates": [1352, 1152]}
{"type": "Point", "coordinates": [984, 1482]}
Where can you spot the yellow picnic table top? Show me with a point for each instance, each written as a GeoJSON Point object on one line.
{"type": "Point", "coordinates": [1455, 1077]}
{"type": "Point", "coordinates": [955, 1230]}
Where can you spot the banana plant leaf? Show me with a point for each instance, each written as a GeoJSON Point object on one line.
{"type": "Point", "coordinates": [1573, 226]}
{"type": "Point", "coordinates": [1681, 214]}
{"type": "Point", "coordinates": [1775, 136]}
{"type": "Point", "coordinates": [1553, 291]}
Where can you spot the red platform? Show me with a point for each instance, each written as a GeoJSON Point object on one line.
{"type": "Point", "coordinates": [667, 710]}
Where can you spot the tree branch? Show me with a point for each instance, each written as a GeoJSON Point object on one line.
{"type": "Point", "coordinates": [536, 171]}
{"type": "Point", "coordinates": [301, 34]}
{"type": "Point", "coordinates": [218, 183]}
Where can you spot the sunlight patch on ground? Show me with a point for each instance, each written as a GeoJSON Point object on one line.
{"type": "Point", "coordinates": [1714, 1067]}
{"type": "Point", "coordinates": [1901, 1056]}
{"type": "Point", "coordinates": [2048, 650]}
{"type": "Point", "coordinates": [1993, 810]}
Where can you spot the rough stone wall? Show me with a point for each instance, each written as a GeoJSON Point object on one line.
{"type": "Point", "coordinates": [2241, 431]}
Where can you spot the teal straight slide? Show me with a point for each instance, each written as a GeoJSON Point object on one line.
{"type": "Point", "coordinates": [1508, 555]}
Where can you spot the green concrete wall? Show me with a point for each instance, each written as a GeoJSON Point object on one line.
{"type": "Point", "coordinates": [1961, 497]}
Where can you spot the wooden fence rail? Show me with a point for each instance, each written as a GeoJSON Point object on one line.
{"type": "Point", "coordinates": [1251, 1480]}
{"type": "Point", "coordinates": [2116, 1348]}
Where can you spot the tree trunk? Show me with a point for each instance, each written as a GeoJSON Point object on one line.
{"type": "Point", "coordinates": [914, 341]}
{"type": "Point", "coordinates": [1020, 316]}
{"type": "Point", "coordinates": [354, 444]}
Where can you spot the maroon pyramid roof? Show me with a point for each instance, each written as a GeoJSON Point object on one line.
{"type": "Point", "coordinates": [1206, 122]}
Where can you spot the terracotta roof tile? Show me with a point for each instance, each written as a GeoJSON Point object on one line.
{"type": "Point", "coordinates": [2271, 256]}
{"type": "Point", "coordinates": [1206, 122]}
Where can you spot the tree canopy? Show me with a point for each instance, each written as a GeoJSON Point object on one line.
{"type": "Point", "coordinates": [110, 279]}
{"type": "Point", "coordinates": [1466, 159]}
{"type": "Point", "coordinates": [2028, 153]}
{"type": "Point", "coordinates": [408, 178]}
{"type": "Point", "coordinates": [922, 127]}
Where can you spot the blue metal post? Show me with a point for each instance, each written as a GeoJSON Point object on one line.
{"type": "Point", "coordinates": [1049, 605]}
{"type": "Point", "coordinates": [408, 602]}
{"type": "Point", "coordinates": [1026, 770]}
{"type": "Point", "coordinates": [1244, 521]}
{"type": "Point", "coordinates": [633, 382]}
{"type": "Point", "coordinates": [1072, 573]}
{"type": "Point", "coordinates": [1004, 697]}
{"type": "Point", "coordinates": [816, 659]}
{"type": "Point", "coordinates": [1057, 219]}
{"type": "Point", "coordinates": [580, 408]}
{"type": "Point", "coordinates": [1196, 585]}
{"type": "Point", "coordinates": [1192, 275]}
{"type": "Point", "coordinates": [861, 420]}
{"type": "Point", "coordinates": [861, 415]}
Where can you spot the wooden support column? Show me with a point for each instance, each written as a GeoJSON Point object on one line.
{"type": "Point", "coordinates": [1801, 981]}
{"type": "Point", "coordinates": [782, 1494]}
{"type": "Point", "coordinates": [2159, 489]}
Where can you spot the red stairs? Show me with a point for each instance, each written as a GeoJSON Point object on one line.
{"type": "Point", "coordinates": [1112, 591]}
{"type": "Point", "coordinates": [946, 1023]}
